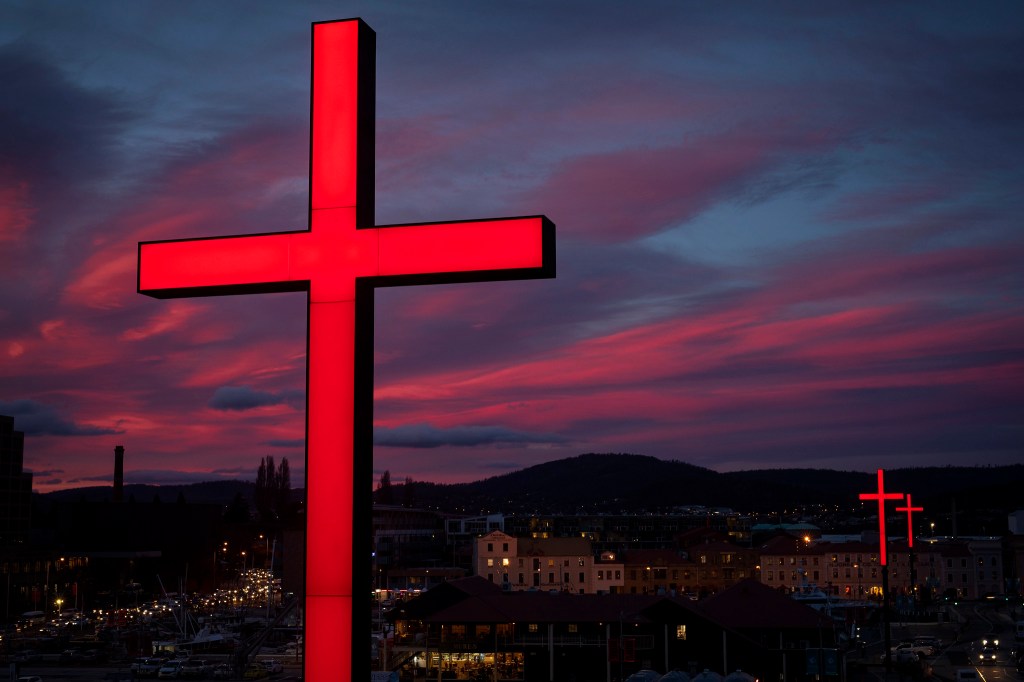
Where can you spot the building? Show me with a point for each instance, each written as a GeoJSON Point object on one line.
{"type": "Point", "coordinates": [967, 568]}
{"type": "Point", "coordinates": [560, 564]}
{"type": "Point", "coordinates": [15, 485]}
{"type": "Point", "coordinates": [473, 629]}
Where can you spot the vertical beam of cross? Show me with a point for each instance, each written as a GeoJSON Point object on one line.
{"type": "Point", "coordinates": [910, 509]}
{"type": "Point", "coordinates": [339, 261]}
{"type": "Point", "coordinates": [881, 496]}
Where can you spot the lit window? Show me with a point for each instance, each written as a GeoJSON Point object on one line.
{"type": "Point", "coordinates": [504, 562]}
{"type": "Point", "coordinates": [573, 628]}
{"type": "Point", "coordinates": [680, 632]}
{"type": "Point", "coordinates": [532, 627]}
{"type": "Point", "coordinates": [490, 562]}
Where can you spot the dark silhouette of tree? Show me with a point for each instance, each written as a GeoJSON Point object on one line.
{"type": "Point", "coordinates": [385, 494]}
{"type": "Point", "coordinates": [283, 490]}
{"type": "Point", "coordinates": [273, 490]}
{"type": "Point", "coordinates": [409, 493]}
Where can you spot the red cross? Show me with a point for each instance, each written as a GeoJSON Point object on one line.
{"type": "Point", "coordinates": [338, 261]}
{"type": "Point", "coordinates": [910, 509]}
{"type": "Point", "coordinates": [881, 496]}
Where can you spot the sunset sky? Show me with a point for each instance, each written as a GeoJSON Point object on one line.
{"type": "Point", "coordinates": [788, 234]}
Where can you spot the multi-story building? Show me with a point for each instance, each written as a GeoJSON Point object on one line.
{"type": "Point", "coordinates": [966, 567]}
{"type": "Point", "coordinates": [15, 485]}
{"type": "Point", "coordinates": [562, 564]}
{"type": "Point", "coordinates": [697, 570]}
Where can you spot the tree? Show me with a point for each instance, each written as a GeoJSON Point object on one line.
{"type": "Point", "coordinates": [409, 493]}
{"type": "Point", "coordinates": [385, 495]}
{"type": "Point", "coordinates": [273, 489]}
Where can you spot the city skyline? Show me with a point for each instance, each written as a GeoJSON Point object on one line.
{"type": "Point", "coordinates": [786, 236]}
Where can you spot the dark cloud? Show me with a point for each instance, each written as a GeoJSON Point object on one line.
{"type": "Point", "coordinates": [240, 398]}
{"type": "Point", "coordinates": [50, 127]}
{"type": "Point", "coordinates": [34, 418]}
{"type": "Point", "coordinates": [287, 443]}
{"type": "Point", "coordinates": [427, 436]}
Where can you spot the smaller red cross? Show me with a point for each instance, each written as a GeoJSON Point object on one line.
{"type": "Point", "coordinates": [881, 496]}
{"type": "Point", "coordinates": [910, 509]}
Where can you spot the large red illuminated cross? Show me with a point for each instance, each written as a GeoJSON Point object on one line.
{"type": "Point", "coordinates": [881, 496]}
{"type": "Point", "coordinates": [339, 261]}
{"type": "Point", "coordinates": [910, 509]}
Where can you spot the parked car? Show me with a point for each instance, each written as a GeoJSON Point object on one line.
{"type": "Point", "coordinates": [255, 671]}
{"type": "Point", "coordinates": [148, 667]}
{"type": "Point", "coordinates": [170, 669]}
{"type": "Point", "coordinates": [222, 672]}
{"type": "Point", "coordinates": [919, 650]}
{"type": "Point", "coordinates": [196, 668]}
{"type": "Point", "coordinates": [272, 666]}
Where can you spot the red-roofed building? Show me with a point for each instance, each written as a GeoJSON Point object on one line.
{"type": "Point", "coordinates": [471, 627]}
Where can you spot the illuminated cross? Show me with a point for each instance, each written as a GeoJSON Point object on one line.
{"type": "Point", "coordinates": [910, 509]}
{"type": "Point", "coordinates": [881, 496]}
{"type": "Point", "coordinates": [339, 261]}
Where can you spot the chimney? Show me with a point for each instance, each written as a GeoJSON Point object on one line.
{"type": "Point", "coordinates": [118, 473]}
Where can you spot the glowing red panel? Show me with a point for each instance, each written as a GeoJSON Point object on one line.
{"type": "Point", "coordinates": [213, 263]}
{"type": "Point", "coordinates": [334, 113]}
{"type": "Point", "coordinates": [461, 247]}
{"type": "Point", "coordinates": [910, 509]}
{"type": "Point", "coordinates": [327, 261]}
{"type": "Point", "coordinates": [881, 496]}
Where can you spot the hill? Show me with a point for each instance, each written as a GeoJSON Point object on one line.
{"type": "Point", "coordinates": [612, 483]}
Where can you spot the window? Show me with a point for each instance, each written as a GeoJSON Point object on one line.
{"type": "Point", "coordinates": [490, 562]}
{"type": "Point", "coordinates": [582, 563]}
{"type": "Point", "coordinates": [573, 628]}
{"type": "Point", "coordinates": [565, 577]}
{"type": "Point", "coordinates": [600, 575]}
{"type": "Point", "coordinates": [551, 578]}
{"type": "Point", "coordinates": [459, 630]}
{"type": "Point", "coordinates": [504, 547]}
{"type": "Point", "coordinates": [520, 563]}
{"type": "Point", "coordinates": [703, 558]}
{"type": "Point", "coordinates": [521, 581]}
{"type": "Point", "coordinates": [583, 577]}
{"type": "Point", "coordinates": [680, 632]}
{"type": "Point", "coordinates": [551, 563]}
{"type": "Point", "coordinates": [771, 576]}
{"type": "Point", "coordinates": [490, 576]}
{"type": "Point", "coordinates": [504, 561]}
{"type": "Point", "coordinates": [532, 627]}
{"type": "Point", "coordinates": [618, 575]}
{"type": "Point", "coordinates": [490, 546]}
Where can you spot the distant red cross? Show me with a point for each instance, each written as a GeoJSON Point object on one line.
{"type": "Point", "coordinates": [881, 496]}
{"type": "Point", "coordinates": [338, 261]}
{"type": "Point", "coordinates": [910, 509]}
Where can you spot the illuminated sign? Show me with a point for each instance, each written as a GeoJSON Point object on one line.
{"type": "Point", "coordinates": [338, 261]}
{"type": "Point", "coordinates": [881, 496]}
{"type": "Point", "coordinates": [910, 509]}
